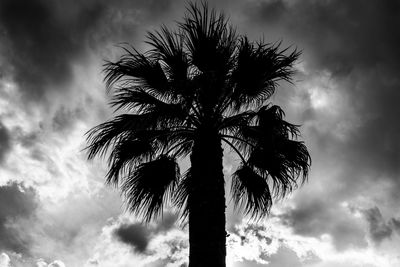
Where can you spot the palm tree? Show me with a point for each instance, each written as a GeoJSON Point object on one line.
{"type": "Point", "coordinates": [198, 87]}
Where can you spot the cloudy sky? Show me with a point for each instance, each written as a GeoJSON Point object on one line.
{"type": "Point", "coordinates": [55, 209]}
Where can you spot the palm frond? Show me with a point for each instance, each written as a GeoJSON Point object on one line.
{"type": "Point", "coordinates": [259, 67]}
{"type": "Point", "coordinates": [271, 117]}
{"type": "Point", "coordinates": [136, 69]}
{"type": "Point", "coordinates": [149, 186]}
{"type": "Point", "coordinates": [181, 195]}
{"type": "Point", "coordinates": [144, 146]}
{"type": "Point", "coordinates": [250, 191]}
{"type": "Point", "coordinates": [209, 39]}
{"type": "Point", "coordinates": [234, 148]}
{"type": "Point", "coordinates": [104, 135]}
{"type": "Point", "coordinates": [244, 136]}
{"type": "Point", "coordinates": [140, 101]}
{"type": "Point", "coordinates": [286, 163]}
{"type": "Point", "coordinates": [266, 144]}
{"type": "Point", "coordinates": [135, 99]}
{"type": "Point", "coordinates": [164, 116]}
{"type": "Point", "coordinates": [126, 155]}
{"type": "Point", "coordinates": [181, 149]}
{"type": "Point", "coordinates": [260, 128]}
{"type": "Point", "coordinates": [232, 123]}
{"type": "Point", "coordinates": [168, 47]}
{"type": "Point", "coordinates": [211, 43]}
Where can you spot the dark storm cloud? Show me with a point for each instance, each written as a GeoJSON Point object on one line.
{"type": "Point", "coordinates": [138, 235]}
{"type": "Point", "coordinates": [65, 118]}
{"type": "Point", "coordinates": [17, 202]}
{"type": "Point", "coordinates": [357, 42]}
{"type": "Point", "coordinates": [42, 42]}
{"type": "Point", "coordinates": [5, 142]}
{"type": "Point", "coordinates": [343, 34]}
{"type": "Point", "coordinates": [41, 39]}
{"type": "Point", "coordinates": [395, 223]}
{"type": "Point", "coordinates": [315, 217]}
{"type": "Point", "coordinates": [378, 228]}
{"type": "Point", "coordinates": [135, 235]}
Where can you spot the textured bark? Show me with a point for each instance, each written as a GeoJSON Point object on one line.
{"type": "Point", "coordinates": [207, 236]}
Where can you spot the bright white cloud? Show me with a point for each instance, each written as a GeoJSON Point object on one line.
{"type": "Point", "coordinates": [4, 260]}
{"type": "Point", "coordinates": [57, 263]}
{"type": "Point", "coordinates": [249, 244]}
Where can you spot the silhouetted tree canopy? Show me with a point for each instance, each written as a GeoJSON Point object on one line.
{"type": "Point", "coordinates": [199, 81]}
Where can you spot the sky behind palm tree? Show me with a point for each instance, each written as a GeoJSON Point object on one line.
{"type": "Point", "coordinates": [54, 207]}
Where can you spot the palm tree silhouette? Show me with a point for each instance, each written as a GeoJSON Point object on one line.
{"type": "Point", "coordinates": [198, 87]}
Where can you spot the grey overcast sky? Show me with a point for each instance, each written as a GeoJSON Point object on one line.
{"type": "Point", "coordinates": [54, 207]}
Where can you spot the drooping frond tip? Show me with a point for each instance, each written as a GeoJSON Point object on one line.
{"type": "Point", "coordinates": [251, 192]}
{"type": "Point", "coordinates": [150, 186]}
{"type": "Point", "coordinates": [273, 161]}
{"type": "Point", "coordinates": [180, 199]}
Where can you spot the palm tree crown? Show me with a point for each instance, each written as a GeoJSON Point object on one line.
{"type": "Point", "coordinates": [197, 80]}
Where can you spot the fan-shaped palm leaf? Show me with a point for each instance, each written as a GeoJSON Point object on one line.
{"type": "Point", "coordinates": [149, 186]}
{"type": "Point", "coordinates": [251, 191]}
{"type": "Point", "coordinates": [258, 68]}
{"type": "Point", "coordinates": [136, 69]}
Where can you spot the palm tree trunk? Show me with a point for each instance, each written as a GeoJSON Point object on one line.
{"type": "Point", "coordinates": [207, 236]}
